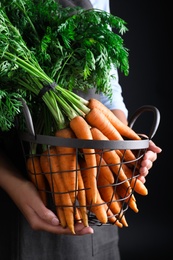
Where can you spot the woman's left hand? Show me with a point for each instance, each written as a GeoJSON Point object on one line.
{"type": "Point", "coordinates": [147, 162]}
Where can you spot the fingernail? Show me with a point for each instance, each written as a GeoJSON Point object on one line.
{"type": "Point", "coordinates": [55, 221]}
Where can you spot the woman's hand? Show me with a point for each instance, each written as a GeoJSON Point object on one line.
{"type": "Point", "coordinates": [151, 154]}
{"type": "Point", "coordinates": [38, 216]}
{"type": "Point", "coordinates": [149, 158]}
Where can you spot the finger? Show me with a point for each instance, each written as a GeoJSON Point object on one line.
{"type": "Point", "coordinates": [43, 213]}
{"type": "Point", "coordinates": [81, 230]}
{"type": "Point", "coordinates": [49, 217]}
{"type": "Point", "coordinates": [142, 179]}
{"type": "Point", "coordinates": [143, 171]}
{"type": "Point", "coordinates": [149, 156]}
{"type": "Point", "coordinates": [146, 164]}
{"type": "Point", "coordinates": [153, 147]}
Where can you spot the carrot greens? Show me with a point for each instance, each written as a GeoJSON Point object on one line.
{"type": "Point", "coordinates": [10, 108]}
{"type": "Point", "coordinates": [50, 52]}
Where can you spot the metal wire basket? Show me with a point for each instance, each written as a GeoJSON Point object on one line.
{"type": "Point", "coordinates": [123, 191]}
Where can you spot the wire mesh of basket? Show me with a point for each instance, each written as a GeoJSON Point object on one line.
{"type": "Point", "coordinates": [100, 195]}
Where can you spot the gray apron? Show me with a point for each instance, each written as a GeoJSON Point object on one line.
{"type": "Point", "coordinates": [37, 245]}
{"type": "Point", "coordinates": [82, 3]}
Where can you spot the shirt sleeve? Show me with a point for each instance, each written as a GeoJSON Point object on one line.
{"type": "Point", "coordinates": [102, 5]}
{"type": "Point", "coordinates": [117, 97]}
{"type": "Point", "coordinates": [117, 101]}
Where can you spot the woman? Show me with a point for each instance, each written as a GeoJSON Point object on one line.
{"type": "Point", "coordinates": [34, 232]}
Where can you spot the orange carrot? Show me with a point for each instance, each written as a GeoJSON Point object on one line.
{"type": "Point", "coordinates": [121, 217]}
{"type": "Point", "coordinates": [103, 207]}
{"type": "Point", "coordinates": [90, 182]}
{"type": "Point", "coordinates": [124, 157]}
{"type": "Point", "coordinates": [122, 128]}
{"type": "Point", "coordinates": [113, 219]}
{"type": "Point", "coordinates": [59, 209]}
{"type": "Point", "coordinates": [136, 184]}
{"type": "Point", "coordinates": [98, 120]}
{"type": "Point", "coordinates": [103, 212]}
{"type": "Point", "coordinates": [50, 165]}
{"type": "Point", "coordinates": [82, 199]}
{"type": "Point", "coordinates": [68, 163]}
{"type": "Point", "coordinates": [107, 192]}
{"type": "Point", "coordinates": [68, 167]}
{"type": "Point", "coordinates": [111, 158]}
{"type": "Point", "coordinates": [56, 196]}
{"type": "Point", "coordinates": [104, 169]}
{"type": "Point", "coordinates": [82, 131]}
{"type": "Point", "coordinates": [36, 176]}
{"type": "Point", "coordinates": [127, 196]}
{"type": "Point", "coordinates": [77, 215]}
{"type": "Point", "coordinates": [100, 210]}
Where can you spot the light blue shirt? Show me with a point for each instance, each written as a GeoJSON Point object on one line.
{"type": "Point", "coordinates": [117, 98]}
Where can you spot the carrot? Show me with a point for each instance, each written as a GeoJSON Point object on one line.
{"type": "Point", "coordinates": [124, 157]}
{"type": "Point", "coordinates": [36, 176]}
{"type": "Point", "coordinates": [98, 120]}
{"type": "Point", "coordinates": [78, 215]}
{"type": "Point", "coordinates": [59, 209]}
{"type": "Point", "coordinates": [135, 183]}
{"type": "Point", "coordinates": [113, 160]}
{"type": "Point", "coordinates": [99, 209]}
{"type": "Point", "coordinates": [82, 199]}
{"type": "Point", "coordinates": [82, 131]}
{"type": "Point", "coordinates": [110, 157]}
{"type": "Point", "coordinates": [113, 219]}
{"type": "Point", "coordinates": [103, 212]}
{"type": "Point", "coordinates": [52, 184]}
{"type": "Point", "coordinates": [104, 170]}
{"type": "Point", "coordinates": [57, 200]}
{"type": "Point", "coordinates": [122, 128]}
{"type": "Point", "coordinates": [90, 182]}
{"type": "Point", "coordinates": [108, 195]}
{"type": "Point", "coordinates": [113, 201]}
{"type": "Point", "coordinates": [121, 216]}
{"type": "Point", "coordinates": [127, 196]}
{"type": "Point", "coordinates": [107, 192]}
{"type": "Point", "coordinates": [67, 162]}
{"type": "Point", "coordinates": [50, 165]}
{"type": "Point", "coordinates": [68, 167]}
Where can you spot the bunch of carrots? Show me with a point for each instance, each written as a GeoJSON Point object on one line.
{"type": "Point", "coordinates": [87, 180]}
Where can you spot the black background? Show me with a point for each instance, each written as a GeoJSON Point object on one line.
{"type": "Point", "coordinates": [149, 83]}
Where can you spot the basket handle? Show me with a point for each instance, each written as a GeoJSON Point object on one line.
{"type": "Point", "coordinates": [140, 111]}
{"type": "Point", "coordinates": [28, 117]}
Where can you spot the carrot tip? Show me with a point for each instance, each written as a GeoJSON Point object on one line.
{"type": "Point", "coordinates": [72, 230]}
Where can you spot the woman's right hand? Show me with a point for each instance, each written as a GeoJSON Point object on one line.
{"type": "Point", "coordinates": [38, 216]}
